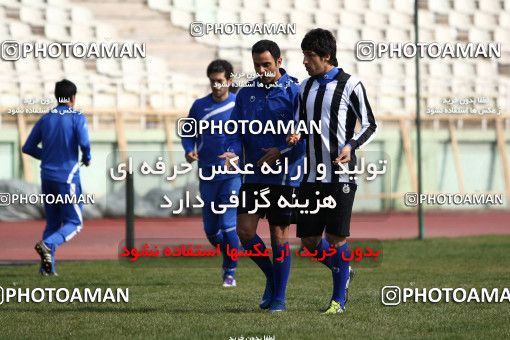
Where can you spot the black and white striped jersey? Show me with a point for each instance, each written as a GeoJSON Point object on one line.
{"type": "Point", "coordinates": [337, 104]}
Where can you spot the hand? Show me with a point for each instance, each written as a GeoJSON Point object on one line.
{"type": "Point", "coordinates": [344, 156]}
{"type": "Point", "coordinates": [272, 154]}
{"type": "Point", "coordinates": [191, 156]}
{"type": "Point", "coordinates": [86, 163]}
{"type": "Point", "coordinates": [292, 139]}
{"type": "Point", "coordinates": [227, 156]}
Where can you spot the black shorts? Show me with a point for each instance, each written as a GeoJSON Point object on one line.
{"type": "Point", "coordinates": [274, 214]}
{"type": "Point", "coordinates": [335, 221]}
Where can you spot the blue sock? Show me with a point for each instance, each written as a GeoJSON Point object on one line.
{"type": "Point", "coordinates": [263, 262]}
{"type": "Point", "coordinates": [281, 270]}
{"type": "Point", "coordinates": [216, 238]}
{"type": "Point", "coordinates": [229, 237]}
{"type": "Point", "coordinates": [323, 246]}
{"type": "Point", "coordinates": [340, 270]}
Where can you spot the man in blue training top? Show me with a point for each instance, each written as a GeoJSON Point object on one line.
{"type": "Point", "coordinates": [62, 131]}
{"type": "Point", "coordinates": [216, 107]}
{"type": "Point", "coordinates": [270, 98]}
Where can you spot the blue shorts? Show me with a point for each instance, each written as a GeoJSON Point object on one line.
{"type": "Point", "coordinates": [59, 214]}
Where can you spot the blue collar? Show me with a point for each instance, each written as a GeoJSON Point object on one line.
{"type": "Point", "coordinates": [329, 76]}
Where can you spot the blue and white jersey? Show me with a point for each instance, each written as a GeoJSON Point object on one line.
{"type": "Point", "coordinates": [62, 132]}
{"type": "Point", "coordinates": [337, 100]}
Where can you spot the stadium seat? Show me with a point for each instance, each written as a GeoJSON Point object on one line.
{"type": "Point", "coordinates": [491, 6]}
{"type": "Point", "coordinates": [56, 15]}
{"type": "Point", "coordinates": [371, 33]}
{"type": "Point", "coordinates": [50, 66]}
{"type": "Point", "coordinates": [282, 5]}
{"type": "Point", "coordinates": [356, 6]}
{"type": "Point", "coordinates": [81, 15]}
{"type": "Point", "coordinates": [425, 34]}
{"type": "Point", "coordinates": [352, 20]}
{"type": "Point", "coordinates": [400, 20]}
{"type": "Point", "coordinates": [31, 15]}
{"type": "Point", "coordinates": [328, 20]}
{"type": "Point", "coordinates": [185, 5]}
{"type": "Point", "coordinates": [301, 18]}
{"type": "Point", "coordinates": [477, 34]}
{"type": "Point", "coordinates": [396, 34]}
{"type": "Point", "coordinates": [72, 65]}
{"type": "Point", "coordinates": [160, 5]}
{"type": "Point", "coordinates": [58, 3]}
{"type": "Point", "coordinates": [81, 33]}
{"type": "Point", "coordinates": [459, 20]}
{"type": "Point", "coordinates": [104, 32]}
{"type": "Point", "coordinates": [19, 31]}
{"type": "Point", "coordinates": [404, 6]}
{"type": "Point", "coordinates": [108, 66]}
{"type": "Point", "coordinates": [375, 19]}
{"type": "Point", "coordinates": [56, 32]}
{"type": "Point", "coordinates": [443, 33]}
{"type": "Point", "coordinates": [347, 37]}
{"type": "Point", "coordinates": [441, 7]}
{"type": "Point", "coordinates": [381, 6]}
{"type": "Point", "coordinates": [465, 6]}
{"type": "Point", "coordinates": [181, 18]}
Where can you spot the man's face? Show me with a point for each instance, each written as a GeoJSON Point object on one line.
{"type": "Point", "coordinates": [264, 63]}
{"type": "Point", "coordinates": [315, 64]}
{"type": "Point", "coordinates": [219, 84]}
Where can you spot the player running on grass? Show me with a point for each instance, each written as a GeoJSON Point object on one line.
{"type": "Point", "coordinates": [338, 100]}
{"type": "Point", "coordinates": [62, 131]}
{"type": "Point", "coordinates": [216, 106]}
{"type": "Point", "coordinates": [274, 97]}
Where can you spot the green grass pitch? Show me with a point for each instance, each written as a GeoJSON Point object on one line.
{"type": "Point", "coordinates": [189, 303]}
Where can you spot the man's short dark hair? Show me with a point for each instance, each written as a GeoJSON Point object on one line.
{"type": "Point", "coordinates": [266, 45]}
{"type": "Point", "coordinates": [220, 65]}
{"type": "Point", "coordinates": [321, 42]}
{"type": "Point", "coordinates": [64, 90]}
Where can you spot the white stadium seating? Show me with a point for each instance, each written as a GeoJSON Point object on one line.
{"type": "Point", "coordinates": [156, 82]}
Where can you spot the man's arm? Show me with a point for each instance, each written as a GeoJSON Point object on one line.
{"type": "Point", "coordinates": [293, 138]}
{"type": "Point", "coordinates": [189, 143]}
{"type": "Point", "coordinates": [272, 154]}
{"type": "Point", "coordinates": [83, 140]}
{"type": "Point", "coordinates": [31, 144]}
{"type": "Point", "coordinates": [361, 106]}
{"type": "Point", "coordinates": [359, 103]}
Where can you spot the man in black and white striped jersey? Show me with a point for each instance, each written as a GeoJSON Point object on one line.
{"type": "Point", "coordinates": [337, 100]}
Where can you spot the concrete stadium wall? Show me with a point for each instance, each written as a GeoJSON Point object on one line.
{"type": "Point", "coordinates": [481, 164]}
